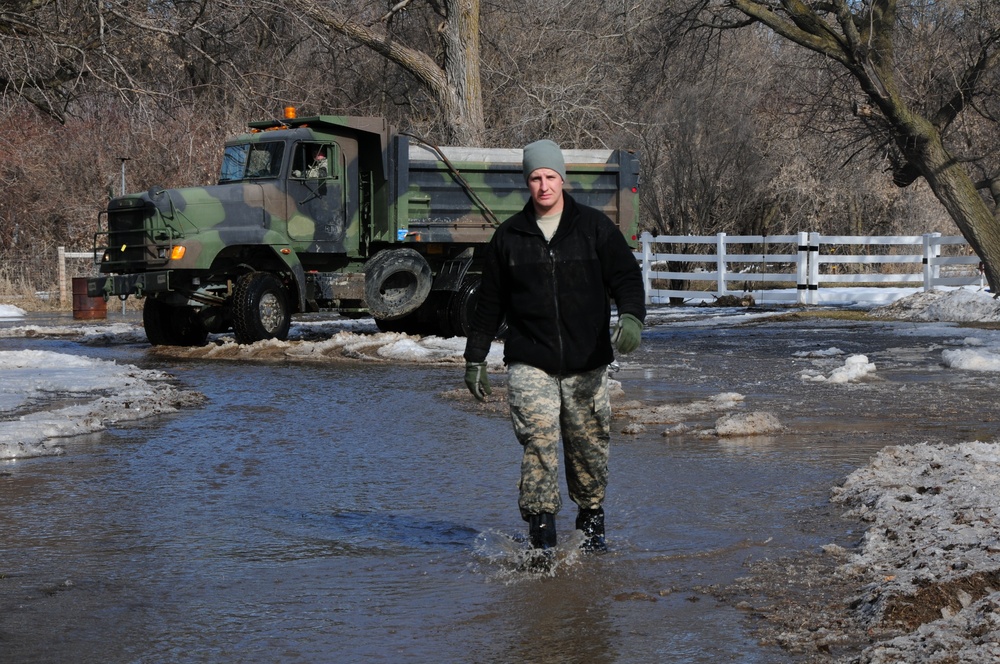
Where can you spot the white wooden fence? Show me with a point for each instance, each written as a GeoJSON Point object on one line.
{"type": "Point", "coordinates": [793, 268]}
{"type": "Point", "coordinates": [777, 268]}
{"type": "Point", "coordinates": [62, 255]}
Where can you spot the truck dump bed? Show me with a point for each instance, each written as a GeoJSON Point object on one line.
{"type": "Point", "coordinates": [440, 182]}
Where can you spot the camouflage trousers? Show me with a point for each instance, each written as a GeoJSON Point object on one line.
{"type": "Point", "coordinates": [543, 408]}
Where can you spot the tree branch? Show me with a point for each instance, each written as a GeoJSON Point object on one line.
{"type": "Point", "coordinates": [398, 7]}
{"type": "Point", "coordinates": [802, 26]}
{"type": "Point", "coordinates": [985, 62]}
{"type": "Point", "coordinates": [418, 63]}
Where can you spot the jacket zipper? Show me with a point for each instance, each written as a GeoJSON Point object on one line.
{"type": "Point", "coordinates": [555, 306]}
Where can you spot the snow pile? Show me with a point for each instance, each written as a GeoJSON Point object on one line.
{"type": "Point", "coordinates": [854, 369]}
{"type": "Point", "coordinates": [684, 418]}
{"type": "Point", "coordinates": [931, 557]}
{"type": "Point", "coordinates": [971, 360]}
{"type": "Point", "coordinates": [46, 395]}
{"type": "Point", "coordinates": [92, 334]}
{"type": "Point", "coordinates": [10, 312]}
{"type": "Point", "coordinates": [829, 352]}
{"type": "Point", "coordinates": [339, 344]}
{"type": "Point", "coordinates": [959, 305]}
{"type": "Point", "coordinates": [748, 424]}
{"type": "Point", "coordinates": [640, 413]}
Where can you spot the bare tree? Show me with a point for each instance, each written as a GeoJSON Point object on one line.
{"type": "Point", "coordinates": [54, 53]}
{"type": "Point", "coordinates": [47, 52]}
{"type": "Point", "coordinates": [920, 101]}
{"type": "Point", "coordinates": [561, 71]}
{"type": "Point", "coordinates": [707, 138]}
{"type": "Point", "coordinates": [450, 73]}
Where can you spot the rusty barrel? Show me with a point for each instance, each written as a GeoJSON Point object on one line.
{"type": "Point", "coordinates": [86, 307]}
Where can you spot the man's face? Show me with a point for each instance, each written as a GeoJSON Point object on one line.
{"type": "Point", "coordinates": [546, 188]}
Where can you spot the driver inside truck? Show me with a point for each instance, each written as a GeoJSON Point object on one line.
{"type": "Point", "coordinates": [319, 168]}
{"type": "Point", "coordinates": [315, 157]}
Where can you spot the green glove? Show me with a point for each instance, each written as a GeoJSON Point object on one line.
{"type": "Point", "coordinates": [477, 380]}
{"type": "Point", "coordinates": [627, 334]}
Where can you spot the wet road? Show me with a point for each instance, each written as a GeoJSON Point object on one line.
{"type": "Point", "coordinates": [351, 512]}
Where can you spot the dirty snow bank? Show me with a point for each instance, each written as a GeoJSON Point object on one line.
{"type": "Point", "coordinates": [91, 334]}
{"type": "Point", "coordinates": [685, 418]}
{"type": "Point", "coordinates": [970, 637]}
{"type": "Point", "coordinates": [758, 423]}
{"type": "Point", "coordinates": [636, 411]}
{"type": "Point", "coordinates": [47, 396]}
{"type": "Point", "coordinates": [959, 305]}
{"type": "Point", "coordinates": [930, 560]}
{"type": "Point", "coordinates": [339, 345]}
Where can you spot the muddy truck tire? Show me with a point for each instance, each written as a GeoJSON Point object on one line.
{"type": "Point", "coordinates": [261, 308]}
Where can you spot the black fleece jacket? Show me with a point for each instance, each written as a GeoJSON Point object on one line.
{"type": "Point", "coordinates": [555, 295]}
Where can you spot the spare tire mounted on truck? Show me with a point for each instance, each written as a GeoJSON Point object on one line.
{"type": "Point", "coordinates": [397, 281]}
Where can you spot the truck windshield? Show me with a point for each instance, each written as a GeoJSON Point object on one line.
{"type": "Point", "coordinates": [248, 161]}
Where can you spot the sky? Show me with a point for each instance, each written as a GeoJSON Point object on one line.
{"type": "Point", "coordinates": [47, 397]}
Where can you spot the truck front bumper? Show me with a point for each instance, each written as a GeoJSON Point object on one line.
{"type": "Point", "coordinates": [129, 284]}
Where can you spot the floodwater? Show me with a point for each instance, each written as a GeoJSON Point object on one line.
{"type": "Point", "coordinates": [351, 512]}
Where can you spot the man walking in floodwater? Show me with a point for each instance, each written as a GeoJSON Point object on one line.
{"type": "Point", "coordinates": [549, 271]}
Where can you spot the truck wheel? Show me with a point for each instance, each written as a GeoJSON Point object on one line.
{"type": "Point", "coordinates": [260, 308]}
{"type": "Point", "coordinates": [397, 282]}
{"type": "Point", "coordinates": [462, 307]}
{"type": "Point", "coordinates": [168, 325]}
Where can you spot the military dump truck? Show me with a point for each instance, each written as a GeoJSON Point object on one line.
{"type": "Point", "coordinates": [329, 213]}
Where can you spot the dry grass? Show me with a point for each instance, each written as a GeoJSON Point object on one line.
{"type": "Point", "coordinates": [981, 326]}
{"type": "Point", "coordinates": [20, 293]}
{"type": "Point", "coordinates": [34, 297]}
{"type": "Point", "coordinates": [830, 314]}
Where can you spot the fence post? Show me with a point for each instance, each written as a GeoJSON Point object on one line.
{"type": "Point", "coordinates": [813, 282]}
{"type": "Point", "coordinates": [647, 260]}
{"type": "Point", "coordinates": [61, 257]}
{"type": "Point", "coordinates": [802, 268]}
{"type": "Point", "coordinates": [720, 263]}
{"type": "Point", "coordinates": [926, 259]}
{"type": "Point", "coordinates": [932, 251]}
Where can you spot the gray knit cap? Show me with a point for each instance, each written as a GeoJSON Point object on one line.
{"type": "Point", "coordinates": [543, 154]}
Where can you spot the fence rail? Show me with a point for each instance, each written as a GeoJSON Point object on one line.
{"type": "Point", "coordinates": [777, 268]}
{"type": "Point", "coordinates": [793, 268]}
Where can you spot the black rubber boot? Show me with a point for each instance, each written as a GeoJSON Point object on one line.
{"type": "Point", "coordinates": [591, 522]}
{"type": "Point", "coordinates": [542, 531]}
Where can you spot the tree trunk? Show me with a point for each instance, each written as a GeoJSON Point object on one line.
{"type": "Point", "coordinates": [456, 86]}
{"type": "Point", "coordinates": [953, 186]}
{"type": "Point", "coordinates": [461, 67]}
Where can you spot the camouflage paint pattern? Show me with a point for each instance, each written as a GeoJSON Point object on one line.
{"type": "Point", "coordinates": [381, 190]}
{"type": "Point", "coordinates": [545, 408]}
{"type": "Point", "coordinates": [438, 208]}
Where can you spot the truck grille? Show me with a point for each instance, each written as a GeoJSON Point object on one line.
{"type": "Point", "coordinates": [130, 246]}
